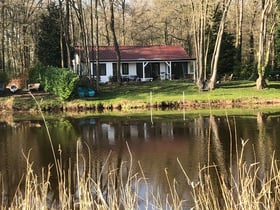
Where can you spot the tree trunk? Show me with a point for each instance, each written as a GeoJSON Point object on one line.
{"type": "Point", "coordinates": [216, 53]}
{"type": "Point", "coordinates": [264, 43]}
{"type": "Point", "coordinates": [3, 21]}
{"type": "Point", "coordinates": [116, 44]}
{"type": "Point", "coordinates": [67, 34]}
{"type": "Point", "coordinates": [61, 34]}
{"type": "Point", "coordinates": [239, 28]}
{"type": "Point", "coordinates": [92, 66]}
{"type": "Point", "coordinates": [123, 5]}
{"type": "Point", "coordinates": [107, 36]}
{"type": "Point", "coordinates": [84, 37]}
{"type": "Point", "coordinates": [97, 45]}
{"type": "Point", "coordinates": [199, 24]}
{"type": "Point", "coordinates": [260, 83]}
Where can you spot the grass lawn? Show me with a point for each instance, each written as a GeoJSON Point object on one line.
{"type": "Point", "coordinates": [174, 90]}
{"type": "Point", "coordinates": [139, 95]}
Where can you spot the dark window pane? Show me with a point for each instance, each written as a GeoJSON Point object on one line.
{"type": "Point", "coordinates": [125, 69]}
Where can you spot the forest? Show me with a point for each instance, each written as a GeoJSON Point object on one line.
{"type": "Point", "coordinates": [239, 37]}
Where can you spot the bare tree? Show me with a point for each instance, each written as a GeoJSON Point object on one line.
{"type": "Point", "coordinates": [265, 40]}
{"type": "Point", "coordinates": [97, 45]}
{"type": "Point", "coordinates": [66, 32]}
{"type": "Point", "coordinates": [238, 32]}
{"type": "Point", "coordinates": [115, 40]}
{"type": "Point", "coordinates": [123, 6]}
{"type": "Point", "coordinates": [27, 16]}
{"type": "Point", "coordinates": [106, 22]}
{"type": "Point", "coordinates": [138, 23]}
{"type": "Point", "coordinates": [216, 53]}
{"type": "Point", "coordinates": [3, 26]}
{"type": "Point", "coordinates": [17, 34]}
{"type": "Point", "coordinates": [78, 7]}
{"type": "Point", "coordinates": [61, 33]}
{"type": "Point", "coordinates": [200, 13]}
{"type": "Point", "coordinates": [141, 26]}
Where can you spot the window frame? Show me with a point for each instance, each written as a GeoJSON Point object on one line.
{"type": "Point", "coordinates": [125, 69]}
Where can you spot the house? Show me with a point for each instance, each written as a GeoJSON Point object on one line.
{"type": "Point", "coordinates": [142, 63]}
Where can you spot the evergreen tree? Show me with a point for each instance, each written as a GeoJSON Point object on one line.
{"type": "Point", "coordinates": [48, 44]}
{"type": "Point", "coordinates": [277, 48]}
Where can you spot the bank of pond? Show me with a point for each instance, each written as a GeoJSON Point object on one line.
{"type": "Point", "coordinates": [157, 95]}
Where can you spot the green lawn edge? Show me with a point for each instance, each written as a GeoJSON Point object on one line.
{"type": "Point", "coordinates": [172, 94]}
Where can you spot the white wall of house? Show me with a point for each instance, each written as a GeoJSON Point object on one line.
{"type": "Point", "coordinates": [165, 69]}
{"type": "Point", "coordinates": [109, 71]}
{"type": "Point", "coordinates": [76, 62]}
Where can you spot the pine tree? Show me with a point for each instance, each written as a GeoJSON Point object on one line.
{"type": "Point", "coordinates": [48, 45]}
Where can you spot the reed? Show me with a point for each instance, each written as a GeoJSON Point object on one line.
{"type": "Point", "coordinates": [116, 186]}
{"type": "Point", "coordinates": [248, 187]}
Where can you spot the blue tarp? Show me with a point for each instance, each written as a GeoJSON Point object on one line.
{"type": "Point", "coordinates": [84, 91]}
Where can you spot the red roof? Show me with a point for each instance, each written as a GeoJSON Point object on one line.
{"type": "Point", "coordinates": [134, 53]}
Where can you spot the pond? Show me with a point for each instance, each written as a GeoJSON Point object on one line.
{"type": "Point", "coordinates": [158, 146]}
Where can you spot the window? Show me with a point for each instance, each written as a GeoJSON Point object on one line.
{"type": "Point", "coordinates": [191, 67]}
{"type": "Point", "coordinates": [114, 69]}
{"type": "Point", "coordinates": [125, 69]}
{"type": "Point", "coordinates": [102, 69]}
{"type": "Point", "coordinates": [139, 69]}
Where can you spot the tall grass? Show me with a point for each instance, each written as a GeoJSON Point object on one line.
{"type": "Point", "coordinates": [118, 187]}
{"type": "Point", "coordinates": [247, 190]}
{"type": "Point", "coordinates": [113, 188]}
{"type": "Point", "coordinates": [247, 186]}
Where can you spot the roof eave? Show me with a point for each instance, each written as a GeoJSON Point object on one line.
{"type": "Point", "coordinates": [147, 60]}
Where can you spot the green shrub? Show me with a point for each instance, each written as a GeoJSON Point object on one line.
{"type": "Point", "coordinates": [59, 81]}
{"type": "Point", "coordinates": [36, 73]}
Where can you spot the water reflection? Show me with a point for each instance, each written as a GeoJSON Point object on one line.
{"type": "Point", "coordinates": [198, 140]}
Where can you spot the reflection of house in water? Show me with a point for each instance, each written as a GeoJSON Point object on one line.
{"type": "Point", "coordinates": [134, 133]}
{"type": "Point", "coordinates": [108, 132]}
{"type": "Point", "coordinates": [111, 132]}
{"type": "Point", "coordinates": [167, 129]}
